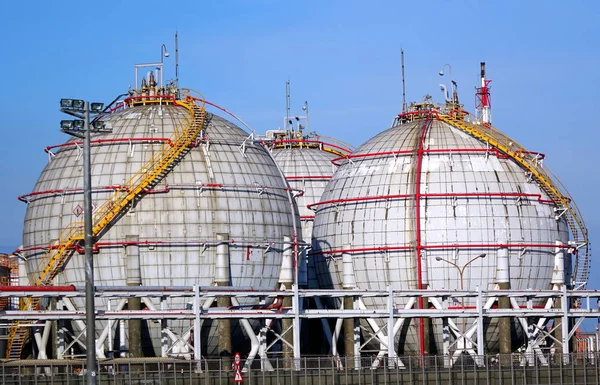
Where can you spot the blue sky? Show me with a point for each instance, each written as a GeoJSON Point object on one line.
{"type": "Point", "coordinates": [341, 56]}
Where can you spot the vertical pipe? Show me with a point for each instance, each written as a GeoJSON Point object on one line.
{"type": "Point", "coordinates": [418, 246]}
{"type": "Point", "coordinates": [480, 342]}
{"type": "Point", "coordinates": [390, 328]}
{"type": "Point", "coordinates": [348, 283]}
{"type": "Point", "coordinates": [503, 281]}
{"type": "Point", "coordinates": [286, 279]}
{"type": "Point", "coordinates": [558, 283]}
{"type": "Point", "coordinates": [164, 337]}
{"type": "Point", "coordinates": [197, 341]}
{"type": "Point", "coordinates": [60, 334]}
{"type": "Point", "coordinates": [134, 278]}
{"type": "Point", "coordinates": [90, 311]}
{"type": "Point", "coordinates": [426, 321]}
{"type": "Point", "coordinates": [222, 278]}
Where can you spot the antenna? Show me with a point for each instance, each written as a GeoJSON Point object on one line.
{"type": "Point", "coordinates": [287, 103]}
{"type": "Point", "coordinates": [404, 107]}
{"type": "Point", "coordinates": [176, 60]}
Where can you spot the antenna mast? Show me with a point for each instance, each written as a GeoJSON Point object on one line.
{"type": "Point", "coordinates": [287, 104]}
{"type": "Point", "coordinates": [176, 61]}
{"type": "Point", "coordinates": [404, 107]}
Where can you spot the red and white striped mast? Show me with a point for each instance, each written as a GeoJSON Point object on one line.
{"type": "Point", "coordinates": [483, 101]}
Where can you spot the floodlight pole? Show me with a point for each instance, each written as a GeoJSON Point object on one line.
{"type": "Point", "coordinates": [90, 310]}
{"type": "Point", "coordinates": [88, 229]}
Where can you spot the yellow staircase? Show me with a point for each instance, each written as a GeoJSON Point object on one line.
{"type": "Point", "coordinates": [149, 174]}
{"type": "Point", "coordinates": [566, 207]}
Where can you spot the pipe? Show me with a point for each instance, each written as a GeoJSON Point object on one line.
{"type": "Point", "coordinates": [504, 324]}
{"type": "Point", "coordinates": [433, 195]}
{"type": "Point", "coordinates": [223, 278]}
{"type": "Point", "coordinates": [134, 278]}
{"type": "Point", "coordinates": [438, 247]}
{"type": "Point", "coordinates": [349, 282]}
{"type": "Point", "coordinates": [286, 275]}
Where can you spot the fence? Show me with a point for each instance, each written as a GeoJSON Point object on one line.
{"type": "Point", "coordinates": [414, 370]}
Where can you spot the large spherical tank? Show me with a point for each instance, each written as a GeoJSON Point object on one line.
{"type": "Point", "coordinates": [434, 189]}
{"type": "Point", "coordinates": [308, 167]}
{"type": "Point", "coordinates": [224, 185]}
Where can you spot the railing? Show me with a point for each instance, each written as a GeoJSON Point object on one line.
{"type": "Point", "coordinates": [582, 368]}
{"type": "Point", "coordinates": [154, 170]}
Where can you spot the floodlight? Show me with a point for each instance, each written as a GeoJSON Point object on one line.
{"type": "Point", "coordinates": [99, 125]}
{"type": "Point", "coordinates": [66, 124]}
{"type": "Point", "coordinates": [78, 124]}
{"type": "Point", "coordinates": [66, 103]}
{"type": "Point", "coordinates": [96, 107]}
{"type": "Point", "coordinates": [78, 104]}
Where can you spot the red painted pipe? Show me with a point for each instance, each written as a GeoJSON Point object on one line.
{"type": "Point", "coordinates": [114, 140]}
{"type": "Point", "coordinates": [36, 288]}
{"type": "Point", "coordinates": [433, 195]}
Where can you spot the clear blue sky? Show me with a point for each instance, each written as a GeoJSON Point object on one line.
{"type": "Point", "coordinates": [341, 56]}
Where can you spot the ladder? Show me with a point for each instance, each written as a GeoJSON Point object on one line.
{"type": "Point", "coordinates": [566, 207]}
{"type": "Point", "coordinates": [109, 212]}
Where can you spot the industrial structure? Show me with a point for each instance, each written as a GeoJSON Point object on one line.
{"type": "Point", "coordinates": [444, 201]}
{"type": "Point", "coordinates": [438, 236]}
{"type": "Point", "coordinates": [306, 161]}
{"type": "Point", "coordinates": [181, 197]}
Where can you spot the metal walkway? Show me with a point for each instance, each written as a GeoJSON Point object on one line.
{"type": "Point", "coordinates": [148, 175]}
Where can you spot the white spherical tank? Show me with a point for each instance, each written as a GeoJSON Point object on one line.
{"type": "Point", "coordinates": [308, 164]}
{"type": "Point", "coordinates": [425, 204]}
{"type": "Point", "coordinates": [224, 189]}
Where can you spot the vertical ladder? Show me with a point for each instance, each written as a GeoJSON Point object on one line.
{"type": "Point", "coordinates": [149, 174]}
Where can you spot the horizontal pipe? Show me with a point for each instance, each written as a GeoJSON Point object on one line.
{"type": "Point", "coordinates": [49, 149]}
{"type": "Point", "coordinates": [296, 177]}
{"type": "Point", "coordinates": [432, 195]}
{"type": "Point", "coordinates": [37, 288]}
{"type": "Point", "coordinates": [437, 247]}
{"type": "Point", "coordinates": [307, 141]}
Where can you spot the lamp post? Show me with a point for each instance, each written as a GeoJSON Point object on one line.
{"type": "Point", "coordinates": [163, 54]}
{"type": "Point", "coordinates": [81, 128]}
{"type": "Point", "coordinates": [452, 83]}
{"type": "Point", "coordinates": [449, 68]}
{"type": "Point", "coordinates": [461, 270]}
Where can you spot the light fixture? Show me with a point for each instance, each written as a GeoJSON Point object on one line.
{"type": "Point", "coordinates": [78, 124]}
{"type": "Point", "coordinates": [66, 103]}
{"type": "Point", "coordinates": [66, 124]}
{"type": "Point", "coordinates": [99, 125]}
{"type": "Point", "coordinates": [96, 107]}
{"type": "Point", "coordinates": [78, 104]}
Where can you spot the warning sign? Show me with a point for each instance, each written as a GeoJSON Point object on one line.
{"type": "Point", "coordinates": [238, 376]}
{"type": "Point", "coordinates": [236, 366]}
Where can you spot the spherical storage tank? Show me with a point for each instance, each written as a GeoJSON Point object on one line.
{"type": "Point", "coordinates": [225, 188]}
{"type": "Point", "coordinates": [419, 205]}
{"type": "Point", "coordinates": [308, 162]}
